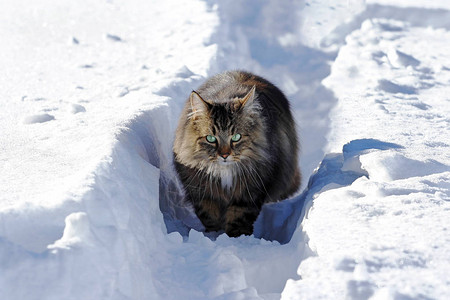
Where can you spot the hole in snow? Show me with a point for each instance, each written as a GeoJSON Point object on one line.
{"type": "Point", "coordinates": [41, 118]}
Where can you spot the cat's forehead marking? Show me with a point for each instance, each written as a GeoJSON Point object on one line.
{"type": "Point", "coordinates": [221, 117]}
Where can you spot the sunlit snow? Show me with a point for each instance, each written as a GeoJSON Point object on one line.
{"type": "Point", "coordinates": [91, 91]}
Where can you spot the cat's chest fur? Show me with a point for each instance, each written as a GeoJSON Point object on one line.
{"type": "Point", "coordinates": [227, 180]}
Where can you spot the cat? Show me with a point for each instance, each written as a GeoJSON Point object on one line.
{"type": "Point", "coordinates": [236, 148]}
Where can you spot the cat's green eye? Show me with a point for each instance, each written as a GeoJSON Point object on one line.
{"type": "Point", "coordinates": [236, 137]}
{"type": "Point", "coordinates": [211, 138]}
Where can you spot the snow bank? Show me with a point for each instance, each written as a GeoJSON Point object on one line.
{"type": "Point", "coordinates": [384, 236]}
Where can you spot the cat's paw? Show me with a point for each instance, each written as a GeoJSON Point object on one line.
{"type": "Point", "coordinates": [233, 231]}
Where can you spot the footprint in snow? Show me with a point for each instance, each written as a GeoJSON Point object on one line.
{"type": "Point", "coordinates": [40, 118]}
{"type": "Point", "coordinates": [87, 66]}
{"type": "Point", "coordinates": [400, 59]}
{"type": "Point", "coordinates": [393, 88]}
{"type": "Point", "coordinates": [420, 105]}
{"type": "Point", "coordinates": [123, 92]}
{"type": "Point", "coordinates": [37, 99]}
{"type": "Point", "coordinates": [184, 72]}
{"type": "Point", "coordinates": [74, 41]}
{"type": "Point", "coordinates": [77, 108]}
{"type": "Point", "coordinates": [114, 38]}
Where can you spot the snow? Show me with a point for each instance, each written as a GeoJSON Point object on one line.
{"type": "Point", "coordinates": [436, 4]}
{"type": "Point", "coordinates": [90, 207]}
{"type": "Point", "coordinates": [384, 236]}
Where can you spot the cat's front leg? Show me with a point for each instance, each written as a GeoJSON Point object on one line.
{"type": "Point", "coordinates": [239, 220]}
{"type": "Point", "coordinates": [209, 213]}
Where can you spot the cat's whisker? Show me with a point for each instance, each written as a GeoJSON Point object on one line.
{"type": "Point", "coordinates": [195, 175]}
{"type": "Point", "coordinates": [262, 183]}
{"type": "Point", "coordinates": [252, 171]}
{"type": "Point", "coordinates": [204, 177]}
{"type": "Point", "coordinates": [249, 194]}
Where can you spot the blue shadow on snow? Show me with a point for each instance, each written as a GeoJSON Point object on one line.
{"type": "Point", "coordinates": [278, 221]}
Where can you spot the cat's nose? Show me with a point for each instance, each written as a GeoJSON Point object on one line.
{"type": "Point", "coordinates": [224, 155]}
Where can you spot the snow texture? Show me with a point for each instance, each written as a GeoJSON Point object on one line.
{"type": "Point", "coordinates": [90, 206]}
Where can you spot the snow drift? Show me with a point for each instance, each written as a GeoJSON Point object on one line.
{"type": "Point", "coordinates": [90, 207]}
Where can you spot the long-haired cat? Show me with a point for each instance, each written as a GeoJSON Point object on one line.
{"type": "Point", "coordinates": [235, 149]}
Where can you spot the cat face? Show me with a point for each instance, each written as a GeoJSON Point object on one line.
{"type": "Point", "coordinates": [228, 133]}
{"type": "Point", "coordinates": [224, 137]}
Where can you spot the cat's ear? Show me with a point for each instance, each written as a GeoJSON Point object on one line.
{"type": "Point", "coordinates": [198, 105]}
{"type": "Point", "coordinates": [248, 99]}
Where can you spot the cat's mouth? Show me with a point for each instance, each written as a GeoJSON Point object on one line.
{"type": "Point", "coordinates": [225, 161]}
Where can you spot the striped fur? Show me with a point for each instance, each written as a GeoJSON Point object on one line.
{"type": "Point", "coordinates": [227, 194]}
